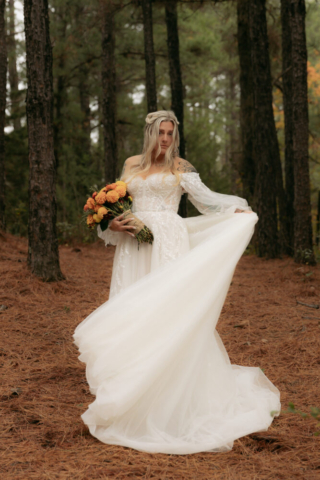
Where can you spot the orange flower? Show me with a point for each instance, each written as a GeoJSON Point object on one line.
{"type": "Point", "coordinates": [101, 198]}
{"type": "Point", "coordinates": [121, 183]}
{"type": "Point", "coordinates": [85, 208]}
{"type": "Point", "coordinates": [112, 196]}
{"type": "Point", "coordinates": [96, 218]}
{"type": "Point", "coordinates": [121, 190]}
{"type": "Point", "coordinates": [94, 195]}
{"type": "Point", "coordinates": [96, 207]}
{"type": "Point", "coordinates": [90, 203]}
{"type": "Point", "coordinates": [111, 186]}
{"type": "Point", "coordinates": [102, 211]}
{"type": "Point", "coordinates": [90, 220]}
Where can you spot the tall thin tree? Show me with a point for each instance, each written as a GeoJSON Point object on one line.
{"type": "Point", "coordinates": [247, 164]}
{"type": "Point", "coordinates": [287, 73]}
{"type": "Point", "coordinates": [265, 142]}
{"type": "Point", "coordinates": [3, 76]}
{"type": "Point", "coordinates": [43, 255]}
{"type": "Point", "coordinates": [177, 92]}
{"type": "Point", "coordinates": [13, 73]}
{"type": "Point", "coordinates": [109, 100]}
{"type": "Point", "coordinates": [303, 248]}
{"type": "Point", "coordinates": [149, 55]}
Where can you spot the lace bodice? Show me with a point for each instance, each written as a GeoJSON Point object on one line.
{"type": "Point", "coordinates": [157, 193]}
{"type": "Point", "coordinates": [160, 192]}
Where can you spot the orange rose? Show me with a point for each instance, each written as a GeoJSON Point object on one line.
{"type": "Point", "coordinates": [85, 208]}
{"type": "Point", "coordinates": [112, 196]}
{"type": "Point", "coordinates": [90, 203]}
{"type": "Point", "coordinates": [94, 195]}
{"type": "Point", "coordinates": [90, 220]}
{"type": "Point", "coordinates": [101, 198]}
{"type": "Point", "coordinates": [96, 207]}
{"type": "Point", "coordinates": [102, 212]}
{"type": "Point", "coordinates": [121, 190]}
{"type": "Point", "coordinates": [96, 218]}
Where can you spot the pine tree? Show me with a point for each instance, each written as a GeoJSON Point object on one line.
{"type": "Point", "coordinates": [176, 81]}
{"type": "Point", "coordinates": [3, 76]}
{"type": "Point", "coordinates": [149, 55]}
{"type": "Point", "coordinates": [43, 255]}
{"type": "Point", "coordinates": [109, 101]}
{"type": "Point", "coordinates": [287, 75]}
{"type": "Point", "coordinates": [303, 248]}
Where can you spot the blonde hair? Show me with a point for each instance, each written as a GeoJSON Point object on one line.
{"type": "Point", "coordinates": [151, 142]}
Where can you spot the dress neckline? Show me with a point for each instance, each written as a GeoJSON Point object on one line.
{"type": "Point", "coordinates": [151, 175]}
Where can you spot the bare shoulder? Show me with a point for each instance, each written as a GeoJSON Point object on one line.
{"type": "Point", "coordinates": [133, 160]}
{"type": "Point", "coordinates": [183, 166]}
{"type": "Point", "coordinates": [129, 163]}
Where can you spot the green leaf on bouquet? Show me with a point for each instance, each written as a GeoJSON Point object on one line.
{"type": "Point", "coordinates": [104, 225]}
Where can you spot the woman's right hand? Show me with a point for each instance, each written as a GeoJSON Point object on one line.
{"type": "Point", "coordinates": [119, 224]}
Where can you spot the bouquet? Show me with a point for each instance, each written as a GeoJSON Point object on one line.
{"type": "Point", "coordinates": [112, 201]}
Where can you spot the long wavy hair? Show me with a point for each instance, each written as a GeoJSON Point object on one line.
{"type": "Point", "coordinates": [151, 146]}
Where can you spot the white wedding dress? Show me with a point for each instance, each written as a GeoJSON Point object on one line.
{"type": "Point", "coordinates": [161, 376]}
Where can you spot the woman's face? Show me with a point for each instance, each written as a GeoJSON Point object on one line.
{"type": "Point", "coordinates": [165, 136]}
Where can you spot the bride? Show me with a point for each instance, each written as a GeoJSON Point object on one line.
{"type": "Point", "coordinates": [161, 376]}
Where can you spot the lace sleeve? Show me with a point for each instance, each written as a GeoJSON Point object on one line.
{"type": "Point", "coordinates": [108, 236]}
{"type": "Point", "coordinates": [207, 201]}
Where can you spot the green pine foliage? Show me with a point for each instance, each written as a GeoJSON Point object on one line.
{"type": "Point", "coordinates": [210, 69]}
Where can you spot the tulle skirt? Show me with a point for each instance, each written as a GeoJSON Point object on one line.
{"type": "Point", "coordinates": [161, 376]}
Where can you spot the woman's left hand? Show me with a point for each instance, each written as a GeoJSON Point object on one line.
{"type": "Point", "coordinates": [242, 211]}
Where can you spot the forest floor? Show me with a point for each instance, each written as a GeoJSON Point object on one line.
{"type": "Point", "coordinates": [44, 389]}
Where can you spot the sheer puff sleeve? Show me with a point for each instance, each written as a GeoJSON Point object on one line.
{"type": "Point", "coordinates": [108, 236]}
{"type": "Point", "coordinates": [208, 202]}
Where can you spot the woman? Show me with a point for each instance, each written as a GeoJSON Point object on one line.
{"type": "Point", "coordinates": [162, 378]}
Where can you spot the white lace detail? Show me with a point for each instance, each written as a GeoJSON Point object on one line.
{"type": "Point", "coordinates": [158, 192]}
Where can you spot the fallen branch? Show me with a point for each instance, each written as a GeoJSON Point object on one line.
{"type": "Point", "coordinates": [307, 304]}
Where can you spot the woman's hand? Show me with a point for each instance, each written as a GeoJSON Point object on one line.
{"type": "Point", "coordinates": [119, 224]}
{"type": "Point", "coordinates": [242, 211]}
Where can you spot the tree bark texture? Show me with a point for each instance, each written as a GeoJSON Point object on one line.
{"type": "Point", "coordinates": [3, 76]}
{"type": "Point", "coordinates": [268, 185]}
{"type": "Point", "coordinates": [247, 164]}
{"type": "Point", "coordinates": [149, 55]}
{"type": "Point", "coordinates": [43, 255]}
{"type": "Point", "coordinates": [288, 120]}
{"type": "Point", "coordinates": [177, 92]}
{"type": "Point", "coordinates": [85, 110]}
{"type": "Point", "coordinates": [13, 74]}
{"type": "Point", "coordinates": [109, 102]}
{"type": "Point", "coordinates": [303, 248]}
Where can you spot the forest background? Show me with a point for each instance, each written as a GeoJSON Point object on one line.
{"type": "Point", "coordinates": [210, 73]}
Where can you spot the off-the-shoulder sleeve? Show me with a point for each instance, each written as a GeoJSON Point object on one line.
{"type": "Point", "coordinates": [108, 236]}
{"type": "Point", "coordinates": [207, 201]}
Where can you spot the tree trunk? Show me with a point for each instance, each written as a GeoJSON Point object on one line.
{"type": "Point", "coordinates": [303, 248]}
{"type": "Point", "coordinates": [149, 55]}
{"type": "Point", "coordinates": [43, 255]}
{"type": "Point", "coordinates": [247, 164]}
{"type": "Point", "coordinates": [13, 74]}
{"type": "Point", "coordinates": [176, 81]}
{"type": "Point", "coordinates": [109, 102]}
{"type": "Point", "coordinates": [3, 77]}
{"type": "Point", "coordinates": [288, 120]}
{"type": "Point", "coordinates": [265, 142]}
{"type": "Point", "coordinates": [85, 109]}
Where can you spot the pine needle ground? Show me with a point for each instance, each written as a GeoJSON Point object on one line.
{"type": "Point", "coordinates": [44, 389]}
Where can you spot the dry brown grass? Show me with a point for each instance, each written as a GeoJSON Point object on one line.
{"type": "Point", "coordinates": [44, 390]}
